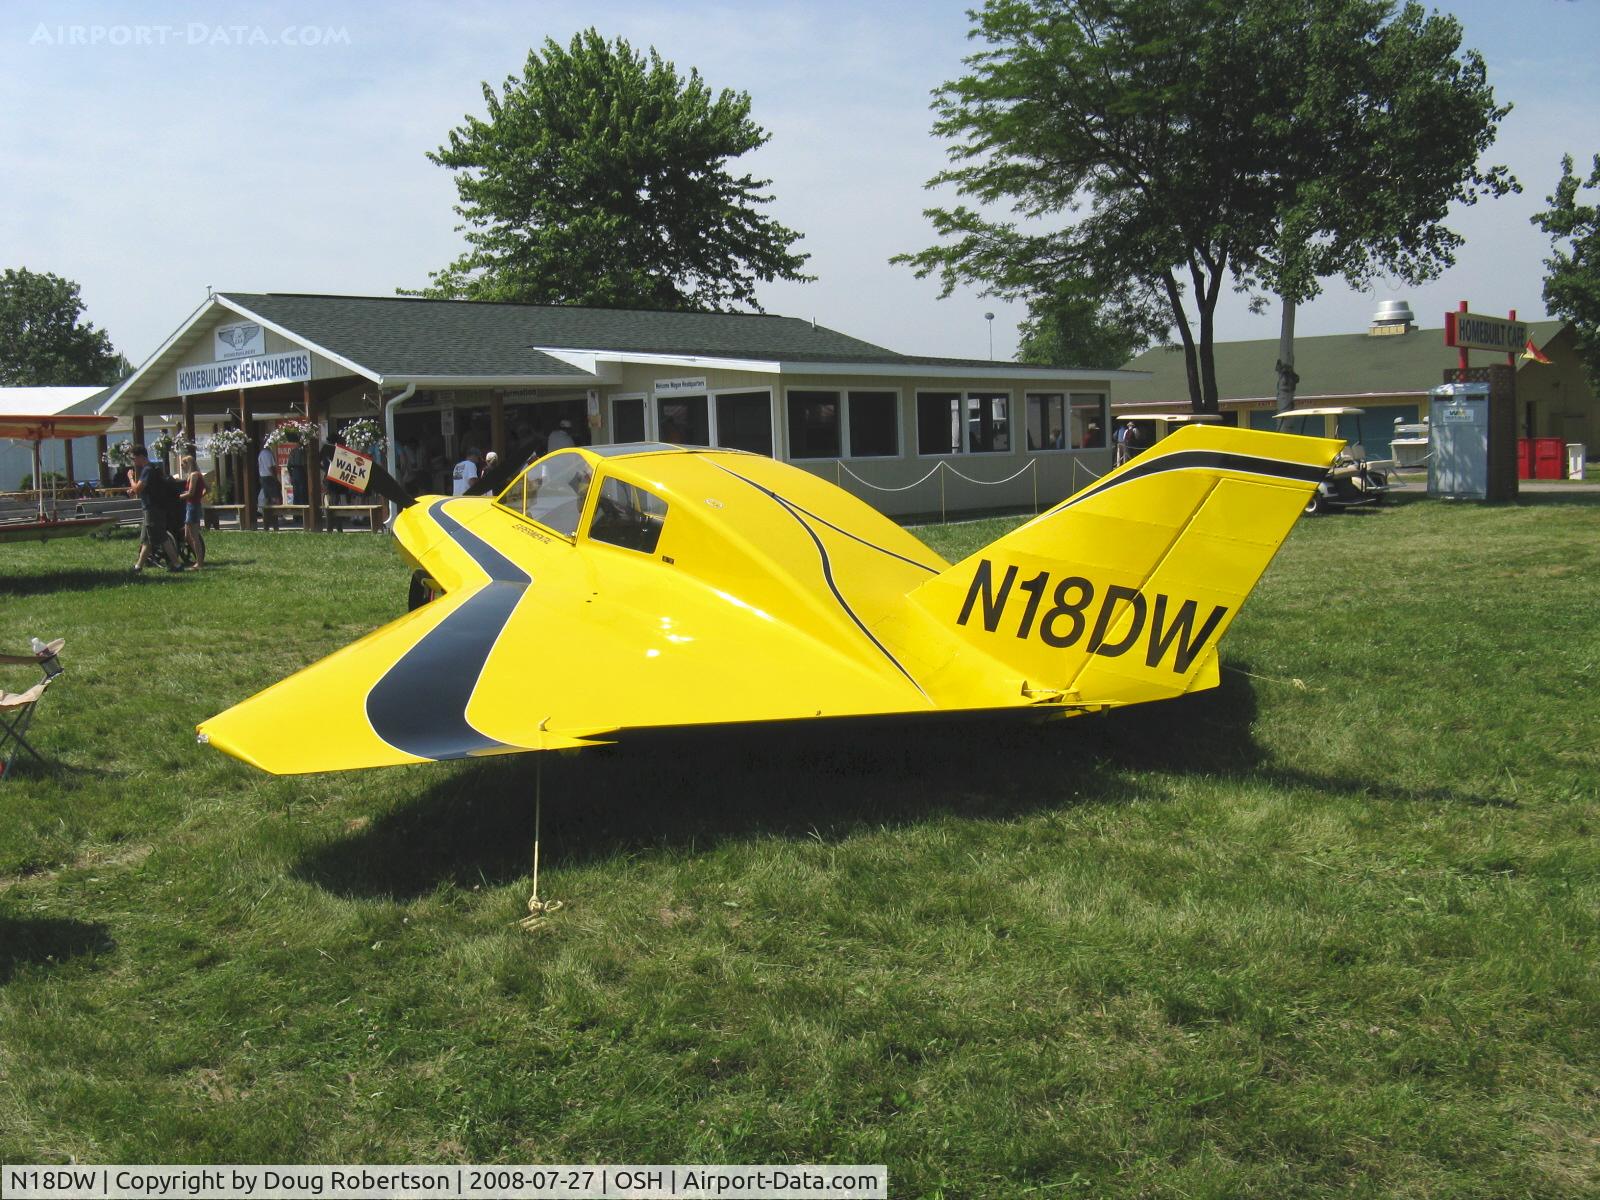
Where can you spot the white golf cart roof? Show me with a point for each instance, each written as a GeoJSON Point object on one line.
{"type": "Point", "coordinates": [1169, 418]}
{"type": "Point", "coordinates": [1287, 413]}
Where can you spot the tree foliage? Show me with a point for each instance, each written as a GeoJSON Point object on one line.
{"type": "Point", "coordinates": [42, 342]}
{"type": "Point", "coordinates": [1572, 286]}
{"type": "Point", "coordinates": [1071, 328]}
{"type": "Point", "coordinates": [600, 177]}
{"type": "Point", "coordinates": [1184, 146]}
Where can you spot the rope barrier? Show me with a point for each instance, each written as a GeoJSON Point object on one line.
{"type": "Point", "coordinates": [941, 467]}
{"type": "Point", "coordinates": [988, 482]}
{"type": "Point", "coordinates": [878, 488]}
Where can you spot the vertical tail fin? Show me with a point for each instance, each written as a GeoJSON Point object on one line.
{"type": "Point", "coordinates": [1120, 593]}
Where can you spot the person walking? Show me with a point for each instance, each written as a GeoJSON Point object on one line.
{"type": "Point", "coordinates": [562, 438]}
{"type": "Point", "coordinates": [150, 483]}
{"type": "Point", "coordinates": [193, 497]}
{"type": "Point", "coordinates": [466, 473]}
{"type": "Point", "coordinates": [267, 468]}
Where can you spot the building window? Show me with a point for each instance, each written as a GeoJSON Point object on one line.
{"type": "Point", "coordinates": [814, 425]}
{"type": "Point", "coordinates": [938, 423]}
{"type": "Point", "coordinates": [683, 420]}
{"type": "Point", "coordinates": [874, 424]}
{"type": "Point", "coordinates": [744, 421]}
{"type": "Point", "coordinates": [1089, 420]}
{"type": "Point", "coordinates": [855, 424]}
{"type": "Point", "coordinates": [627, 419]}
{"type": "Point", "coordinates": [963, 422]}
{"type": "Point", "coordinates": [988, 422]}
{"type": "Point", "coordinates": [1047, 421]}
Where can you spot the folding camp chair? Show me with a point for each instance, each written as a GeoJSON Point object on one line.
{"type": "Point", "coordinates": [17, 708]}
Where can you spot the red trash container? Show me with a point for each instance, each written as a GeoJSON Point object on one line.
{"type": "Point", "coordinates": [1549, 458]}
{"type": "Point", "coordinates": [1524, 458]}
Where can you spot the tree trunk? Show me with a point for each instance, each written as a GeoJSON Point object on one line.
{"type": "Point", "coordinates": [1208, 353]}
{"type": "Point", "coordinates": [1207, 273]}
{"type": "Point", "coordinates": [1208, 361]}
{"type": "Point", "coordinates": [1181, 319]}
{"type": "Point", "coordinates": [1287, 379]}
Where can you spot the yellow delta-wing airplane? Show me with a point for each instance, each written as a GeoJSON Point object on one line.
{"type": "Point", "coordinates": [639, 586]}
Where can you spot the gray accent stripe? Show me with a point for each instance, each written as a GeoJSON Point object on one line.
{"type": "Point", "coordinates": [420, 704]}
{"type": "Point", "coordinates": [1191, 460]}
{"type": "Point", "coordinates": [827, 573]}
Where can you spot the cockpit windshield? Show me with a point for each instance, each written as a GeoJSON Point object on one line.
{"type": "Point", "coordinates": [552, 492]}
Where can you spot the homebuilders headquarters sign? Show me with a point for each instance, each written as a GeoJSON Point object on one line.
{"type": "Point", "coordinates": [260, 370]}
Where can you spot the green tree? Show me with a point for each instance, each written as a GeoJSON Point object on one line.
{"type": "Point", "coordinates": [601, 177]}
{"type": "Point", "coordinates": [1184, 146]}
{"type": "Point", "coordinates": [42, 343]}
{"type": "Point", "coordinates": [1572, 287]}
{"type": "Point", "coordinates": [1070, 328]}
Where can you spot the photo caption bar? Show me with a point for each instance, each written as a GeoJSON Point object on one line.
{"type": "Point", "coordinates": [416, 1182]}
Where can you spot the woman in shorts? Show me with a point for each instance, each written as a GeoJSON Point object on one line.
{"type": "Point", "coordinates": [194, 490]}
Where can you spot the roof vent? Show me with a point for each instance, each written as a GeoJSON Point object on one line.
{"type": "Point", "coordinates": [1393, 317]}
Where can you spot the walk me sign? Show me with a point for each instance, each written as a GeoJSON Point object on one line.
{"type": "Point", "coordinates": [350, 468]}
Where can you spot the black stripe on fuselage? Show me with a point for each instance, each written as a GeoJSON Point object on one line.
{"type": "Point", "coordinates": [420, 704]}
{"type": "Point", "coordinates": [827, 572]}
{"type": "Point", "coordinates": [1197, 460]}
{"type": "Point", "coordinates": [858, 538]}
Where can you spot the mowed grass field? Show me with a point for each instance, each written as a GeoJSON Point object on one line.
{"type": "Point", "coordinates": [1331, 929]}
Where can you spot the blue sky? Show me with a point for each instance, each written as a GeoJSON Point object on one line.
{"type": "Point", "coordinates": [150, 156]}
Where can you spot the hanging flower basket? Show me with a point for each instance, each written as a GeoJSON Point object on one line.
{"type": "Point", "coordinates": [227, 441]}
{"type": "Point", "coordinates": [364, 434]}
{"type": "Point", "coordinates": [119, 454]}
{"type": "Point", "coordinates": [303, 432]}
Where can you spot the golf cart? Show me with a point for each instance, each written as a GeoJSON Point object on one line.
{"type": "Point", "coordinates": [1352, 482]}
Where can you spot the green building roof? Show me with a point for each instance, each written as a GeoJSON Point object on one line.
{"type": "Point", "coordinates": [1332, 366]}
{"type": "Point", "coordinates": [399, 336]}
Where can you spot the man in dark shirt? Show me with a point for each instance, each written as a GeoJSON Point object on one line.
{"type": "Point", "coordinates": [154, 537]}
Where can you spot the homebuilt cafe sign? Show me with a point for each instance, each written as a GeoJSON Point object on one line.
{"type": "Point", "coordinates": [259, 370]}
{"type": "Point", "coordinates": [1469, 331]}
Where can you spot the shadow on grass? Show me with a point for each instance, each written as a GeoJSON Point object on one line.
{"type": "Point", "coordinates": [29, 941]}
{"type": "Point", "coordinates": [686, 790]}
{"type": "Point", "coordinates": [1573, 499]}
{"type": "Point", "coordinates": [79, 580]}
{"type": "Point", "coordinates": [695, 788]}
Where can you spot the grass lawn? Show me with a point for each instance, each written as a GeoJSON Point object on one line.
{"type": "Point", "coordinates": [1330, 929]}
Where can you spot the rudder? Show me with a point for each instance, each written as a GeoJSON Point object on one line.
{"type": "Point", "coordinates": [1120, 593]}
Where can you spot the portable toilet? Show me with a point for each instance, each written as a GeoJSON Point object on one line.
{"type": "Point", "coordinates": [1458, 426]}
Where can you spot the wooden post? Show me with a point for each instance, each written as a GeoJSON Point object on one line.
{"type": "Point", "coordinates": [102, 447]}
{"type": "Point", "coordinates": [497, 422]}
{"type": "Point", "coordinates": [72, 478]}
{"type": "Point", "coordinates": [247, 510]}
{"type": "Point", "coordinates": [138, 429]}
{"type": "Point", "coordinates": [313, 495]}
{"type": "Point", "coordinates": [38, 483]}
{"type": "Point", "coordinates": [188, 424]}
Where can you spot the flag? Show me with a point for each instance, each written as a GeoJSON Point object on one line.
{"type": "Point", "coordinates": [1532, 353]}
